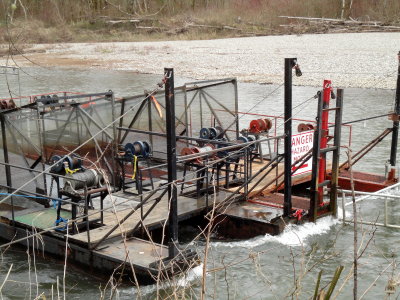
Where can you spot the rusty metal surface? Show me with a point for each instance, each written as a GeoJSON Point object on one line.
{"type": "Point", "coordinates": [276, 199]}
{"type": "Point", "coordinates": [364, 182]}
{"type": "Point", "coordinates": [253, 211]}
{"type": "Point", "coordinates": [136, 251]}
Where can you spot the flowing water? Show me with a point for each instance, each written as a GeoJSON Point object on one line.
{"type": "Point", "coordinates": [264, 267]}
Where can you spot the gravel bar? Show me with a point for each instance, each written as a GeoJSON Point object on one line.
{"type": "Point", "coordinates": [366, 60]}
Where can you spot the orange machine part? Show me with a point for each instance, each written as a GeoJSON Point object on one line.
{"type": "Point", "coordinates": [260, 125]}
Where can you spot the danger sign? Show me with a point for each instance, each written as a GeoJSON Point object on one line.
{"type": "Point", "coordinates": [301, 144]}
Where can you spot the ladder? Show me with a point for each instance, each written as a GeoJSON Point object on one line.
{"type": "Point", "coordinates": [317, 207]}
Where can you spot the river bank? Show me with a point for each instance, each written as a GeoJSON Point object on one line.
{"type": "Point", "coordinates": [364, 60]}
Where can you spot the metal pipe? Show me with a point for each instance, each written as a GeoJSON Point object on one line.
{"type": "Point", "coordinates": [395, 132]}
{"type": "Point", "coordinates": [360, 154]}
{"type": "Point", "coordinates": [386, 213]}
{"type": "Point", "coordinates": [343, 207]}
{"type": "Point", "coordinates": [123, 220]}
{"type": "Point", "coordinates": [287, 207]}
{"type": "Point", "coordinates": [278, 158]}
{"type": "Point", "coordinates": [371, 194]}
{"type": "Point", "coordinates": [233, 147]}
{"type": "Point", "coordinates": [106, 94]}
{"type": "Point", "coordinates": [374, 224]}
{"type": "Point", "coordinates": [171, 156]}
{"type": "Point", "coordinates": [314, 175]}
{"type": "Point", "coordinates": [364, 119]}
{"type": "Point", "coordinates": [336, 152]}
{"type": "Point", "coordinates": [6, 160]}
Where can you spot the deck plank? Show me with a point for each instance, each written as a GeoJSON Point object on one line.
{"type": "Point", "coordinates": [136, 251]}
{"type": "Point", "coordinates": [187, 207]}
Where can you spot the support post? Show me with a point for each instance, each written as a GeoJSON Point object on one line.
{"type": "Point", "coordinates": [312, 212]}
{"type": "Point", "coordinates": [236, 108]}
{"type": "Point", "coordinates": [114, 165]}
{"type": "Point", "coordinates": [395, 131]}
{"type": "Point", "coordinates": [336, 152]}
{"type": "Point", "coordinates": [324, 137]}
{"type": "Point", "coordinates": [287, 206]}
{"type": "Point", "coordinates": [7, 161]}
{"type": "Point", "coordinates": [171, 158]}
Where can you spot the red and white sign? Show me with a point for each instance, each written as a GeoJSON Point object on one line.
{"type": "Point", "coordinates": [301, 144]}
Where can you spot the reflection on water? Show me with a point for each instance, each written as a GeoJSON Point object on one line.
{"type": "Point", "coordinates": [270, 274]}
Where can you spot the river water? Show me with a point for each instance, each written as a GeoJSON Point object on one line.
{"type": "Point", "coordinates": [264, 267]}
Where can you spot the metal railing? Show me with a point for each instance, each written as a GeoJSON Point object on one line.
{"type": "Point", "coordinates": [381, 194]}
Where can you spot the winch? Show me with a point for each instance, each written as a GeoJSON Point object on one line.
{"type": "Point", "coordinates": [90, 178]}
{"type": "Point", "coordinates": [141, 149]}
{"type": "Point", "coordinates": [196, 150]}
{"type": "Point", "coordinates": [260, 125]}
{"type": "Point", "coordinates": [64, 165]}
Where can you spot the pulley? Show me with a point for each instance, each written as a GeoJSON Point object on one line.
{"type": "Point", "coordinates": [260, 125]}
{"type": "Point", "coordinates": [139, 148]}
{"type": "Point", "coordinates": [211, 133]}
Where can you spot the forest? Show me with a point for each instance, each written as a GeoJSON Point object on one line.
{"type": "Point", "coordinates": [117, 20]}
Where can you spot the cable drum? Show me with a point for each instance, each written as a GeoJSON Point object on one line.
{"type": "Point", "coordinates": [7, 104]}
{"type": "Point", "coordinates": [211, 133]}
{"type": "Point", "coordinates": [198, 150]}
{"type": "Point", "coordinates": [73, 161]}
{"type": "Point", "coordinates": [138, 148]}
{"type": "Point", "coordinates": [90, 178]}
{"type": "Point", "coordinates": [260, 125]}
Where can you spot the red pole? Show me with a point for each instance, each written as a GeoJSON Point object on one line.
{"type": "Point", "coordinates": [324, 137]}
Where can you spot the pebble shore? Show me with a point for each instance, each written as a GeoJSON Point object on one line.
{"type": "Point", "coordinates": [364, 60]}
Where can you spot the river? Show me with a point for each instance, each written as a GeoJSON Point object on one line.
{"type": "Point", "coordinates": [264, 267]}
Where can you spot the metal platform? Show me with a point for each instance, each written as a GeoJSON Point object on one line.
{"type": "Point", "coordinates": [187, 208]}
{"type": "Point", "coordinates": [246, 220]}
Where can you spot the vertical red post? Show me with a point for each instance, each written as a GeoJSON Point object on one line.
{"type": "Point", "coordinates": [327, 88]}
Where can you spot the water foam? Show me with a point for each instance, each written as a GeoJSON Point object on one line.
{"type": "Point", "coordinates": [293, 235]}
{"type": "Point", "coordinates": [182, 281]}
{"type": "Point", "coordinates": [190, 275]}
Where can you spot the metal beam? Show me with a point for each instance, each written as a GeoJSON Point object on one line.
{"type": "Point", "coordinates": [336, 152]}
{"type": "Point", "coordinates": [287, 205]}
{"type": "Point", "coordinates": [6, 160]}
{"type": "Point", "coordinates": [316, 155]}
{"type": "Point", "coordinates": [395, 132]}
{"type": "Point", "coordinates": [171, 156]}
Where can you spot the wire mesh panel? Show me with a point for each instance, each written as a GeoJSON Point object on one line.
{"type": "Point", "coordinates": [59, 126]}
{"type": "Point", "coordinates": [211, 104]}
{"type": "Point", "coordinates": [86, 127]}
{"type": "Point", "coordinates": [197, 105]}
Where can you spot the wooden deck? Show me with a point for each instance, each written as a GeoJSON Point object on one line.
{"type": "Point", "coordinates": [187, 207]}
{"type": "Point", "coordinates": [138, 252]}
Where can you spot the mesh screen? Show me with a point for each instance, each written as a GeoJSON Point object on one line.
{"type": "Point", "coordinates": [197, 105]}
